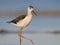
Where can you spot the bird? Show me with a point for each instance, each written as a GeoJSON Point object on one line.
{"type": "Point", "coordinates": [23, 21]}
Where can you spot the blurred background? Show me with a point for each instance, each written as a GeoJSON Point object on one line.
{"type": "Point", "coordinates": [44, 28]}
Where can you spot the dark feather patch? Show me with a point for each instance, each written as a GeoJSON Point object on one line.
{"type": "Point", "coordinates": [18, 19]}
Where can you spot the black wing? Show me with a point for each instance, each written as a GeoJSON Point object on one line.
{"type": "Point", "coordinates": [17, 19]}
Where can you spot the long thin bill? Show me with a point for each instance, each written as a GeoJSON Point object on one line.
{"type": "Point", "coordinates": [34, 12]}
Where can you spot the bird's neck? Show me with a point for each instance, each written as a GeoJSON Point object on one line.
{"type": "Point", "coordinates": [29, 12]}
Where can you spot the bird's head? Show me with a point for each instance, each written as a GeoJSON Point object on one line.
{"type": "Point", "coordinates": [31, 9]}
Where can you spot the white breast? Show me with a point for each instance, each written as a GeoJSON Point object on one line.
{"type": "Point", "coordinates": [25, 21]}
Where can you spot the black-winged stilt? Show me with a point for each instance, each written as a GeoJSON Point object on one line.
{"type": "Point", "coordinates": [23, 21]}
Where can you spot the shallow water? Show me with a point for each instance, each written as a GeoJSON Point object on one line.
{"type": "Point", "coordinates": [38, 38]}
{"type": "Point", "coordinates": [41, 23]}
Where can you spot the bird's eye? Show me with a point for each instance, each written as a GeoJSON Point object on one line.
{"type": "Point", "coordinates": [30, 7]}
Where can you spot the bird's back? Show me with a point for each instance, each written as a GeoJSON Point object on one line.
{"type": "Point", "coordinates": [26, 21]}
{"type": "Point", "coordinates": [17, 19]}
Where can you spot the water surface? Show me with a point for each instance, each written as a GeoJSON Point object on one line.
{"type": "Point", "coordinates": [39, 39]}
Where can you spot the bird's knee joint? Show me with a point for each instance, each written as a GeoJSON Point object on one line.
{"type": "Point", "coordinates": [19, 35]}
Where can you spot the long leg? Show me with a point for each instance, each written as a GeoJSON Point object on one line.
{"type": "Point", "coordinates": [27, 39]}
{"type": "Point", "coordinates": [21, 36]}
{"type": "Point", "coordinates": [20, 33]}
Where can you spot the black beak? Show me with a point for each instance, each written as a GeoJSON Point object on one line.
{"type": "Point", "coordinates": [34, 12]}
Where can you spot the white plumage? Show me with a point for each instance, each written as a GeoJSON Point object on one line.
{"type": "Point", "coordinates": [24, 22]}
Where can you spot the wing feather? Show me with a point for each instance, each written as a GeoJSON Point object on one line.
{"type": "Point", "coordinates": [17, 19]}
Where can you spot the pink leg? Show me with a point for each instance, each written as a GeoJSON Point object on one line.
{"type": "Point", "coordinates": [20, 33]}
{"type": "Point", "coordinates": [27, 39]}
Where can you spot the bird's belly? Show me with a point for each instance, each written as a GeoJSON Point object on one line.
{"type": "Point", "coordinates": [24, 22]}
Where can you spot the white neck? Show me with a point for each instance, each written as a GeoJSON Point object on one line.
{"type": "Point", "coordinates": [29, 12]}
